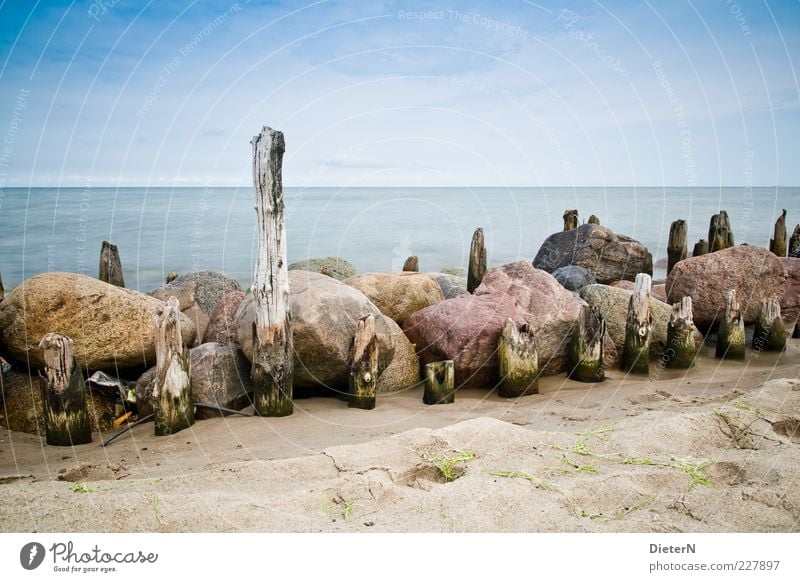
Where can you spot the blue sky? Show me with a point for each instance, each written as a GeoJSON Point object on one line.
{"type": "Point", "coordinates": [675, 93]}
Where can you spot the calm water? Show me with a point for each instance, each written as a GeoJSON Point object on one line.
{"type": "Point", "coordinates": [159, 230]}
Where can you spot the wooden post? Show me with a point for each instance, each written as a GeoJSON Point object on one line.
{"type": "Point", "coordinates": [440, 380]}
{"type": "Point", "coordinates": [66, 415]}
{"type": "Point", "coordinates": [2, 289]}
{"type": "Point", "coordinates": [411, 264]}
{"type": "Point", "coordinates": [519, 362]}
{"type": "Point", "coordinates": [770, 332]}
{"type": "Point", "coordinates": [172, 392]}
{"type": "Point", "coordinates": [636, 350]}
{"type": "Point", "coordinates": [477, 261]}
{"type": "Point", "coordinates": [794, 243]}
{"type": "Point", "coordinates": [364, 365]}
{"type": "Point", "coordinates": [676, 247]}
{"type": "Point", "coordinates": [110, 265]}
{"type": "Point", "coordinates": [272, 370]}
{"type": "Point", "coordinates": [586, 347]}
{"type": "Point", "coordinates": [171, 276]}
{"type": "Point", "coordinates": [570, 219]}
{"type": "Point", "coordinates": [593, 220]}
{"type": "Point", "coordinates": [720, 234]}
{"type": "Point", "coordinates": [683, 338]}
{"type": "Point", "coordinates": [700, 248]}
{"type": "Point", "coordinates": [326, 270]}
{"type": "Point", "coordinates": [777, 244]}
{"type": "Point", "coordinates": [730, 335]}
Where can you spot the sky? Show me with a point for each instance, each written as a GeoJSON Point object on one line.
{"type": "Point", "coordinates": [505, 93]}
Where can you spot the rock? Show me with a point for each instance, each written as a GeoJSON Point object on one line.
{"type": "Point", "coordinates": [403, 371]}
{"type": "Point", "coordinates": [325, 314]}
{"type": "Point", "coordinates": [754, 273]}
{"type": "Point", "coordinates": [222, 325]}
{"type": "Point", "coordinates": [608, 256]}
{"type": "Point", "coordinates": [790, 301]}
{"type": "Point", "coordinates": [220, 376]}
{"type": "Point", "coordinates": [112, 327]}
{"type": "Point", "coordinates": [613, 304]}
{"type": "Point", "coordinates": [339, 268]}
{"type": "Point", "coordinates": [198, 294]}
{"type": "Point", "coordinates": [456, 271]}
{"type": "Point", "coordinates": [397, 295]}
{"type": "Point", "coordinates": [659, 292]}
{"type": "Point", "coordinates": [451, 285]}
{"type": "Point", "coordinates": [144, 392]}
{"type": "Point", "coordinates": [574, 278]}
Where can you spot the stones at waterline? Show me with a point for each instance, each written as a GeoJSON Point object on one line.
{"type": "Point", "coordinates": [222, 323]}
{"type": "Point", "coordinates": [198, 294]}
{"type": "Point", "coordinates": [111, 327]}
{"type": "Point", "coordinates": [451, 285]}
{"type": "Point", "coordinates": [335, 267]}
{"type": "Point", "coordinates": [398, 295]}
{"type": "Point", "coordinates": [612, 303]}
{"type": "Point", "coordinates": [325, 315]}
{"type": "Point", "coordinates": [608, 256]}
{"type": "Point", "coordinates": [220, 376]}
{"type": "Point", "coordinates": [574, 278]}
{"type": "Point", "coordinates": [790, 300]}
{"type": "Point", "coordinates": [755, 274]}
{"type": "Point", "coordinates": [656, 291]}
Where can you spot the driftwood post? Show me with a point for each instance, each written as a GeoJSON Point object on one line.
{"type": "Point", "coordinates": [777, 244]}
{"type": "Point", "coordinates": [570, 219]}
{"type": "Point", "coordinates": [730, 336]}
{"type": "Point", "coordinates": [364, 365]}
{"type": "Point", "coordinates": [272, 370]}
{"type": "Point", "coordinates": [770, 332]}
{"type": "Point", "coordinates": [110, 265]}
{"type": "Point", "coordinates": [700, 248]}
{"type": "Point", "coordinates": [2, 289]}
{"type": "Point", "coordinates": [593, 220]}
{"type": "Point", "coordinates": [585, 354]}
{"type": "Point", "coordinates": [477, 261]}
{"type": "Point", "coordinates": [519, 362]}
{"type": "Point", "coordinates": [411, 264]}
{"type": "Point", "coordinates": [440, 380]}
{"type": "Point", "coordinates": [171, 276]}
{"type": "Point", "coordinates": [720, 233]}
{"type": "Point", "coordinates": [172, 392]}
{"type": "Point", "coordinates": [676, 247]}
{"type": "Point", "coordinates": [683, 338]}
{"type": "Point", "coordinates": [66, 416]}
{"type": "Point", "coordinates": [636, 350]}
{"type": "Point", "coordinates": [794, 243]}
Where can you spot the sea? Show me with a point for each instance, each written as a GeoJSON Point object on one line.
{"type": "Point", "coordinates": [160, 230]}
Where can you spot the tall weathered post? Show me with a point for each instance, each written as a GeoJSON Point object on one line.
{"type": "Point", "coordinates": [2, 289]}
{"type": "Point", "coordinates": [636, 350]}
{"type": "Point", "coordinates": [477, 261]}
{"type": "Point", "coordinates": [794, 243]}
{"type": "Point", "coordinates": [683, 338]}
{"type": "Point", "coordinates": [770, 332]}
{"type": "Point", "coordinates": [518, 361]}
{"type": "Point", "coordinates": [272, 370]}
{"type": "Point", "coordinates": [593, 220]}
{"type": "Point", "coordinates": [110, 265]}
{"type": "Point", "coordinates": [411, 264]}
{"type": "Point", "coordinates": [777, 244]}
{"type": "Point", "coordinates": [66, 416]}
{"type": "Point", "coordinates": [570, 219]}
{"type": "Point", "coordinates": [172, 394]}
{"type": "Point", "coordinates": [586, 347]}
{"type": "Point", "coordinates": [363, 379]}
{"type": "Point", "coordinates": [720, 233]}
{"type": "Point", "coordinates": [730, 336]}
{"type": "Point", "coordinates": [676, 247]}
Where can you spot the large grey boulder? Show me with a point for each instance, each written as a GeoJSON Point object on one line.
{"type": "Point", "coordinates": [574, 278]}
{"type": "Point", "coordinates": [220, 376]}
{"type": "Point", "coordinates": [338, 268]}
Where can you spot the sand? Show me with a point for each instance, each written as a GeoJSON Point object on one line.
{"type": "Point", "coordinates": [712, 449]}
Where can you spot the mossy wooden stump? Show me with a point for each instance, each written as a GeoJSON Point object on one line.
{"type": "Point", "coordinates": [593, 220]}
{"type": "Point", "coordinates": [586, 347]}
{"type": "Point", "coordinates": [777, 244]}
{"type": "Point", "coordinates": [412, 264]}
{"type": "Point", "coordinates": [110, 270]}
{"type": "Point", "coordinates": [171, 276]}
{"type": "Point", "coordinates": [770, 332]}
{"type": "Point", "coordinates": [794, 243]}
{"type": "Point", "coordinates": [730, 335]}
{"type": "Point", "coordinates": [720, 233]}
{"type": "Point", "coordinates": [518, 361]}
{"type": "Point", "coordinates": [66, 415]}
{"type": "Point", "coordinates": [683, 338]}
{"type": "Point", "coordinates": [173, 406]}
{"type": "Point", "coordinates": [363, 379]}
{"type": "Point", "coordinates": [676, 247]}
{"type": "Point", "coordinates": [440, 380]}
{"type": "Point", "coordinates": [570, 219]}
{"type": "Point", "coordinates": [700, 248]}
{"type": "Point", "coordinates": [636, 349]}
{"type": "Point", "coordinates": [477, 261]}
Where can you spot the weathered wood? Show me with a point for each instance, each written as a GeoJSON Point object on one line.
{"type": "Point", "coordinates": [2, 289]}
{"type": "Point", "coordinates": [477, 261]}
{"type": "Point", "coordinates": [586, 347]}
{"type": "Point", "coordinates": [700, 248]}
{"type": "Point", "coordinates": [593, 220]}
{"type": "Point", "coordinates": [110, 265]}
{"type": "Point", "coordinates": [730, 335]}
{"type": "Point", "coordinates": [794, 242]}
{"type": "Point", "coordinates": [720, 233]}
{"type": "Point", "coordinates": [770, 332]}
{"type": "Point", "coordinates": [676, 247]}
{"type": "Point", "coordinates": [518, 361]}
{"type": "Point", "coordinates": [172, 391]}
{"type": "Point", "coordinates": [411, 264]}
{"type": "Point", "coordinates": [683, 338]}
{"type": "Point", "coordinates": [636, 349]}
{"type": "Point", "coordinates": [570, 219]}
{"type": "Point", "coordinates": [777, 244]}
{"type": "Point", "coordinates": [171, 276]}
{"type": "Point", "coordinates": [364, 365]}
{"type": "Point", "coordinates": [66, 415]}
{"type": "Point", "coordinates": [272, 370]}
{"type": "Point", "coordinates": [440, 379]}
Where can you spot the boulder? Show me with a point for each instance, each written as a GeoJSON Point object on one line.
{"type": "Point", "coordinates": [325, 314]}
{"type": "Point", "coordinates": [608, 256]}
{"type": "Point", "coordinates": [198, 294]}
{"type": "Point", "coordinates": [403, 371]}
{"type": "Point", "coordinates": [397, 295]}
{"type": "Point", "coordinates": [573, 278]}
{"type": "Point", "coordinates": [111, 327]}
{"type": "Point", "coordinates": [222, 325]}
{"type": "Point", "coordinates": [790, 302]}
{"type": "Point", "coordinates": [754, 273]}
{"type": "Point", "coordinates": [220, 376]}
{"type": "Point", "coordinates": [613, 304]}
{"type": "Point", "coordinates": [656, 291]}
{"type": "Point", "coordinates": [450, 285]}
{"type": "Point", "coordinates": [338, 268]}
